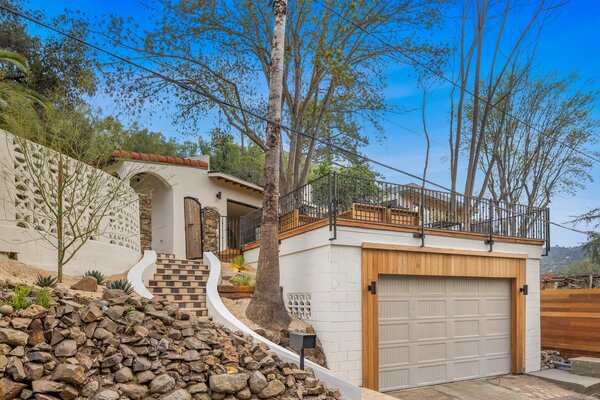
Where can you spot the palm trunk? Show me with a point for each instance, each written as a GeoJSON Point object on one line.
{"type": "Point", "coordinates": [267, 307]}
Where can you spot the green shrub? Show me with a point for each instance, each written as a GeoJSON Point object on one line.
{"type": "Point", "coordinates": [239, 263]}
{"type": "Point", "coordinates": [99, 276]}
{"type": "Point", "coordinates": [43, 298]}
{"type": "Point", "coordinates": [122, 284]}
{"type": "Point", "coordinates": [46, 281]}
{"type": "Point", "coordinates": [20, 299]}
{"type": "Point", "coordinates": [243, 280]}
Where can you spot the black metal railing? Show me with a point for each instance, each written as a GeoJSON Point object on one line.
{"type": "Point", "coordinates": [337, 196]}
{"type": "Point", "coordinates": [229, 237]}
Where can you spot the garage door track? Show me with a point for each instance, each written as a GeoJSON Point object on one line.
{"type": "Point", "coordinates": [510, 387]}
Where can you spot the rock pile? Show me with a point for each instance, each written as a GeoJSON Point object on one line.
{"type": "Point", "coordinates": [550, 355]}
{"type": "Point", "coordinates": [121, 347]}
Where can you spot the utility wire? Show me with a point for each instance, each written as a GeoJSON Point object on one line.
{"type": "Point", "coordinates": [441, 76]}
{"type": "Point", "coordinates": [212, 97]}
{"type": "Point", "coordinates": [243, 110]}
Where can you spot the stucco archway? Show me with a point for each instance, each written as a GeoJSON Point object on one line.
{"type": "Point", "coordinates": [156, 211]}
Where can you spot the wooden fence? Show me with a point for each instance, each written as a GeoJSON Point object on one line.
{"type": "Point", "coordinates": [570, 321]}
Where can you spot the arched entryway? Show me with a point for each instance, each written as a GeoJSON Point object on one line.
{"type": "Point", "coordinates": [156, 211]}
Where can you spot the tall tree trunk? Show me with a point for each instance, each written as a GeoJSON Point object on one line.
{"type": "Point", "coordinates": [267, 307]}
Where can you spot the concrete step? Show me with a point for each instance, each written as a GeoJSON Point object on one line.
{"type": "Point", "coordinates": [567, 380]}
{"type": "Point", "coordinates": [586, 366]}
{"type": "Point", "coordinates": [162, 289]}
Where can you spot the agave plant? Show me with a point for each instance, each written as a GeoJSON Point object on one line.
{"type": "Point", "coordinates": [122, 284]}
{"type": "Point", "coordinates": [239, 263]}
{"type": "Point", "coordinates": [243, 280]}
{"type": "Point", "coordinates": [46, 281]}
{"type": "Point", "coordinates": [99, 276]}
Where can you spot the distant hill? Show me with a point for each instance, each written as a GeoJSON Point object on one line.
{"type": "Point", "coordinates": [560, 257]}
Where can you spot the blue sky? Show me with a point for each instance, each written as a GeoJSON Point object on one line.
{"type": "Point", "coordinates": [569, 44]}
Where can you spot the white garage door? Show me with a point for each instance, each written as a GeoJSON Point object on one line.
{"type": "Point", "coordinates": [439, 329]}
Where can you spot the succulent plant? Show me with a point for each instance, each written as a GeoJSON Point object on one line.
{"type": "Point", "coordinates": [46, 281]}
{"type": "Point", "coordinates": [243, 280]}
{"type": "Point", "coordinates": [122, 284]}
{"type": "Point", "coordinates": [99, 276]}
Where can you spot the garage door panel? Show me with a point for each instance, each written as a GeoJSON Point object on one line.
{"type": "Point", "coordinates": [466, 307]}
{"type": "Point", "coordinates": [431, 330]}
{"type": "Point", "coordinates": [465, 349]}
{"type": "Point", "coordinates": [454, 328]}
{"type": "Point", "coordinates": [393, 332]}
{"type": "Point", "coordinates": [431, 308]}
{"type": "Point", "coordinates": [393, 309]}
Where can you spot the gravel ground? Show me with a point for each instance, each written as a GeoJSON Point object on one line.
{"type": "Point", "coordinates": [19, 273]}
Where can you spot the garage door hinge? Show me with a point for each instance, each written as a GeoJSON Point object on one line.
{"type": "Point", "coordinates": [372, 287]}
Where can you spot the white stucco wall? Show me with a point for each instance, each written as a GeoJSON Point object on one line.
{"type": "Point", "coordinates": [331, 272]}
{"type": "Point", "coordinates": [26, 223]}
{"type": "Point", "coordinates": [184, 181]}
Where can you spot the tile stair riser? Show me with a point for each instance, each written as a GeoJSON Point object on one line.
{"type": "Point", "coordinates": [178, 277]}
{"type": "Point", "coordinates": [173, 271]}
{"type": "Point", "coordinates": [181, 282]}
{"type": "Point", "coordinates": [162, 290]}
{"type": "Point", "coordinates": [178, 284]}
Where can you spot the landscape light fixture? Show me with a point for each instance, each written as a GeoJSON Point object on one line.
{"type": "Point", "coordinates": [301, 341]}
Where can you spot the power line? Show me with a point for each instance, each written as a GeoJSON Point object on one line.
{"type": "Point", "coordinates": [441, 76]}
{"type": "Point", "coordinates": [214, 98]}
{"type": "Point", "coordinates": [240, 108]}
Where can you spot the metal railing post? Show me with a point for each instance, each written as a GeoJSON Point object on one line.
{"type": "Point", "coordinates": [333, 207]}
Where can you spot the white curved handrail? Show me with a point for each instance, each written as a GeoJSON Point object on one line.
{"type": "Point", "coordinates": [220, 313]}
{"type": "Point", "coordinates": [142, 272]}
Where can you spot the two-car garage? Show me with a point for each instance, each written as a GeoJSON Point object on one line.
{"type": "Point", "coordinates": [439, 315]}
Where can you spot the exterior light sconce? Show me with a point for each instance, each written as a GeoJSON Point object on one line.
{"type": "Point", "coordinates": [301, 341]}
{"type": "Point", "coordinates": [219, 195]}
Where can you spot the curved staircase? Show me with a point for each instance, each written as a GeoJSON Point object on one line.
{"type": "Point", "coordinates": [182, 282]}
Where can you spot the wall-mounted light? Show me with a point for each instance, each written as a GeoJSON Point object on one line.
{"type": "Point", "coordinates": [219, 195]}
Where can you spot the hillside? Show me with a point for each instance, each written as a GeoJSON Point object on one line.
{"type": "Point", "coordinates": [560, 257]}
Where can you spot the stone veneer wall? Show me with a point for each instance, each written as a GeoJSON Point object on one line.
{"type": "Point", "coordinates": [145, 198]}
{"type": "Point", "coordinates": [210, 229]}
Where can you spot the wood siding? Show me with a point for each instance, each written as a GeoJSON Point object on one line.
{"type": "Point", "coordinates": [378, 259]}
{"type": "Point", "coordinates": [193, 228]}
{"type": "Point", "coordinates": [570, 320]}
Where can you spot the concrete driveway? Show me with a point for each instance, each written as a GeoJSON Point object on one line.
{"type": "Point", "coordinates": [509, 387]}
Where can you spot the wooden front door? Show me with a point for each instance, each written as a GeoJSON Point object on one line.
{"type": "Point", "coordinates": [193, 228]}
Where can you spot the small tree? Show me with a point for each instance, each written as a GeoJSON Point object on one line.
{"type": "Point", "coordinates": [61, 190]}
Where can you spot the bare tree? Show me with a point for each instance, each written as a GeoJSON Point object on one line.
{"type": "Point", "coordinates": [332, 85]}
{"type": "Point", "coordinates": [267, 307]}
{"type": "Point", "coordinates": [526, 165]}
{"type": "Point", "coordinates": [486, 56]}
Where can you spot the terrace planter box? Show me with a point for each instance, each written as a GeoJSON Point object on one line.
{"type": "Point", "coordinates": [236, 292]}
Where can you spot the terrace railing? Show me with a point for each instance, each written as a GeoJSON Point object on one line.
{"type": "Point", "coordinates": [337, 196]}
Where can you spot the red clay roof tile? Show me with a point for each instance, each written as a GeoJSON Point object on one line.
{"type": "Point", "coordinates": [132, 155]}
